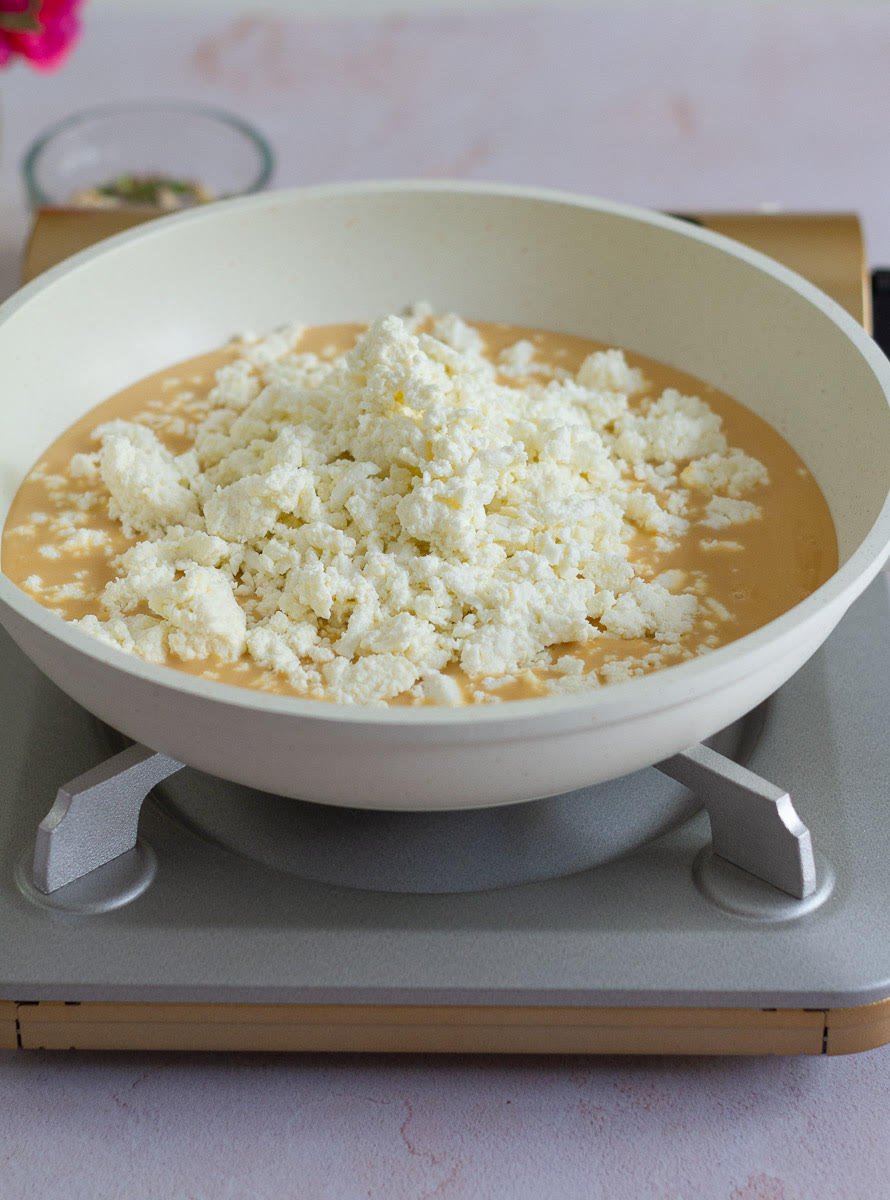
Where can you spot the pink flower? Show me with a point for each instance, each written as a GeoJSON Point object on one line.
{"type": "Point", "coordinates": [40, 31]}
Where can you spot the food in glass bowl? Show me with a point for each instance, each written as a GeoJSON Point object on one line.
{"type": "Point", "coordinates": [143, 191]}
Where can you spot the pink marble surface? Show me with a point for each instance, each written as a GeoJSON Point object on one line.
{"type": "Point", "coordinates": [673, 105]}
{"type": "Point", "coordinates": [196, 1127]}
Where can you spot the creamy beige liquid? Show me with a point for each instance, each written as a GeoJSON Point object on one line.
{"type": "Point", "coordinates": [784, 556]}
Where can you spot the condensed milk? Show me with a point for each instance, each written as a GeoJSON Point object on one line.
{"type": "Point", "coordinates": [745, 574]}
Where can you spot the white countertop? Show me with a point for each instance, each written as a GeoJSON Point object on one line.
{"type": "Point", "coordinates": [673, 105]}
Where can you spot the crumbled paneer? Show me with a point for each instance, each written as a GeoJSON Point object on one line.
{"type": "Point", "coordinates": [85, 539]}
{"type": "Point", "coordinates": [518, 360]}
{"type": "Point", "coordinates": [731, 474]}
{"type": "Point", "coordinates": [720, 544]}
{"type": "Point", "coordinates": [404, 518]}
{"type": "Point", "coordinates": [723, 511]}
{"type": "Point", "coordinates": [149, 490]}
{"type": "Point", "coordinates": [569, 664]}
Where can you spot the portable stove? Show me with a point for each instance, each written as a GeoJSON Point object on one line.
{"type": "Point", "coordinates": [208, 916]}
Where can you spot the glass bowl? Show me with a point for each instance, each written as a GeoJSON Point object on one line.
{"type": "Point", "coordinates": [176, 141]}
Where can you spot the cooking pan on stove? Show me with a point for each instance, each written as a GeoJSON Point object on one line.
{"type": "Point", "coordinates": [177, 287]}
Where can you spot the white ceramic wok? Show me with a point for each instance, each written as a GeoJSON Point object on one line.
{"type": "Point", "coordinates": [183, 285]}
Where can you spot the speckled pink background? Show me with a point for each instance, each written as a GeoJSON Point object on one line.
{"type": "Point", "coordinates": [676, 105]}
{"type": "Point", "coordinates": [140, 1127]}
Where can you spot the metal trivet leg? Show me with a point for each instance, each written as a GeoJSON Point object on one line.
{"type": "Point", "coordinates": [95, 817]}
{"type": "Point", "coordinates": [754, 824]}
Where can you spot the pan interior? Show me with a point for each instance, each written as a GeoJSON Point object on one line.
{"type": "Point", "coordinates": [188, 284]}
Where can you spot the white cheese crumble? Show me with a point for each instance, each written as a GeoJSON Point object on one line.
{"type": "Point", "coordinates": [719, 544]}
{"type": "Point", "coordinates": [731, 474]}
{"type": "Point", "coordinates": [84, 540]}
{"type": "Point", "coordinates": [359, 524]}
{"type": "Point", "coordinates": [723, 511]}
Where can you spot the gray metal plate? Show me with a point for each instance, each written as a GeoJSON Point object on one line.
{"type": "Point", "coordinates": [214, 926]}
